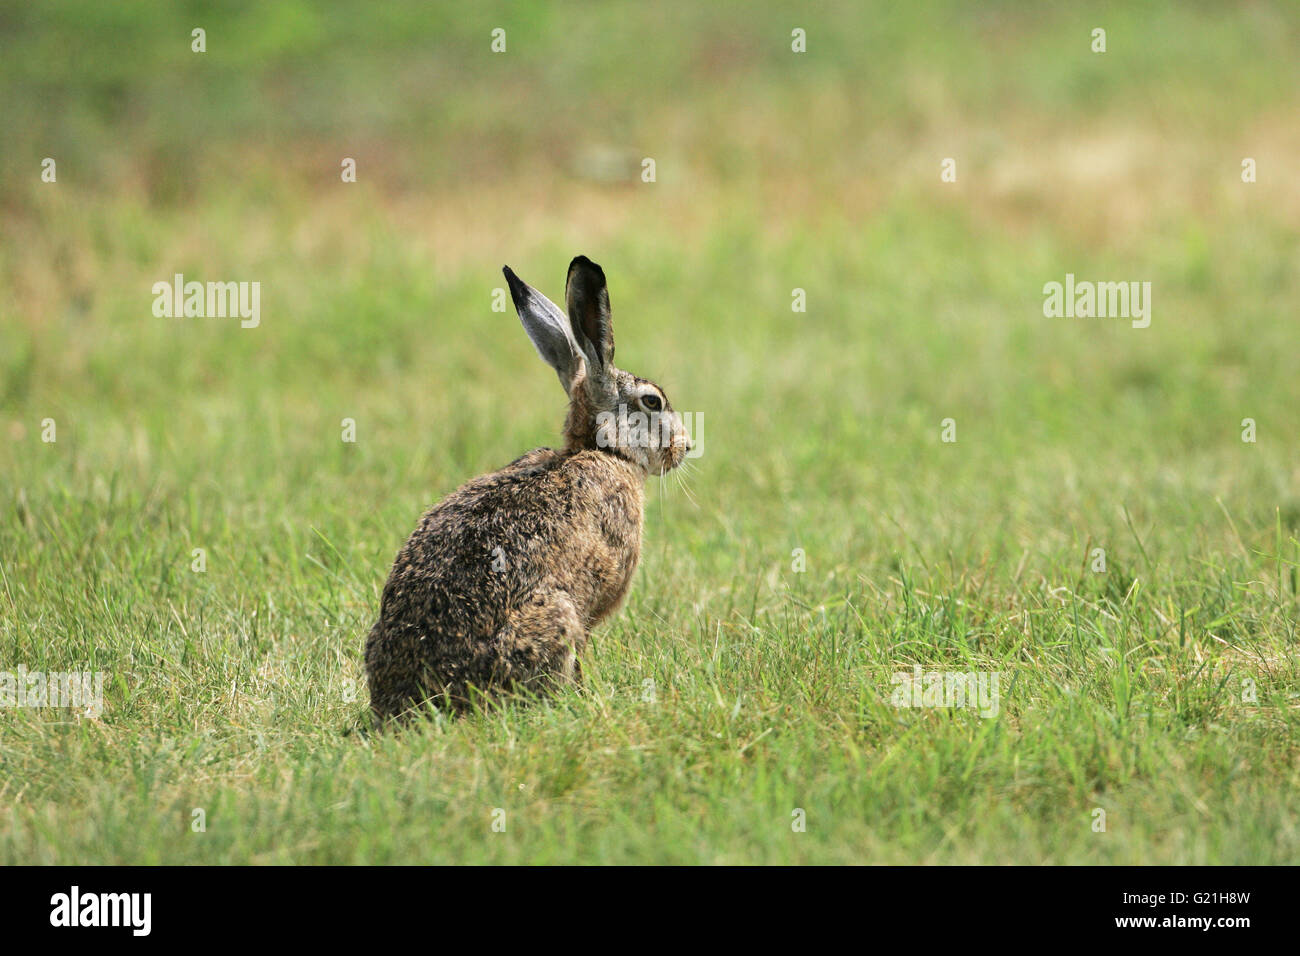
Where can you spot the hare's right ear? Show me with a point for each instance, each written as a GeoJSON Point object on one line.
{"type": "Point", "coordinates": [549, 330]}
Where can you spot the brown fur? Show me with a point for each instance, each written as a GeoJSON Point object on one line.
{"type": "Point", "coordinates": [499, 586]}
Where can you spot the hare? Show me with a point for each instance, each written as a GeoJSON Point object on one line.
{"type": "Point", "coordinates": [498, 588]}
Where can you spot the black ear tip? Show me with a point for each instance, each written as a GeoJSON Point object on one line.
{"type": "Point", "coordinates": [582, 262]}
{"type": "Point", "coordinates": [518, 291]}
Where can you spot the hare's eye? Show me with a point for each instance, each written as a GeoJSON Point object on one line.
{"type": "Point", "coordinates": [652, 402]}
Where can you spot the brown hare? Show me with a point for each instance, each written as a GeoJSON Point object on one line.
{"type": "Point", "coordinates": [499, 586]}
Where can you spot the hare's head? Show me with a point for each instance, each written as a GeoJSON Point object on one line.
{"type": "Point", "coordinates": [609, 409]}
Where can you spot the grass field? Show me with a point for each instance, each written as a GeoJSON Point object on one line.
{"type": "Point", "coordinates": [1163, 691]}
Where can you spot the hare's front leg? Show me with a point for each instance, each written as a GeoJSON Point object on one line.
{"type": "Point", "coordinates": [539, 644]}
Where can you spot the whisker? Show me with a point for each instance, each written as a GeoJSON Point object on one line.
{"type": "Point", "coordinates": [681, 473]}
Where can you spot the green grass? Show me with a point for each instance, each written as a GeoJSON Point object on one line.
{"type": "Point", "coordinates": [239, 690]}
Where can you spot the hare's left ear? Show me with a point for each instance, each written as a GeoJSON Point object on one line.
{"type": "Point", "coordinates": [588, 302]}
{"type": "Point", "coordinates": [549, 330]}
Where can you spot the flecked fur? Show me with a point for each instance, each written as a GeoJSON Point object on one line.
{"type": "Point", "coordinates": [499, 586]}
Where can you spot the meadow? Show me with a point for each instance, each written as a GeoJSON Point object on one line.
{"type": "Point", "coordinates": [738, 708]}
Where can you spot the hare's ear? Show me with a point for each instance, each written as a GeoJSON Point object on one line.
{"type": "Point", "coordinates": [549, 330]}
{"type": "Point", "coordinates": [588, 301]}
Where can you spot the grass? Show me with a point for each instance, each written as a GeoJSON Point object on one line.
{"type": "Point", "coordinates": [239, 690]}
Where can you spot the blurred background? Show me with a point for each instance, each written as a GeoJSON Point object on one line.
{"type": "Point", "coordinates": [775, 171]}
